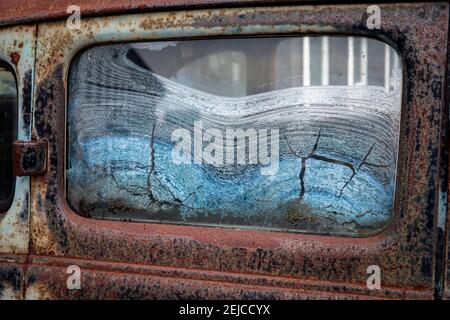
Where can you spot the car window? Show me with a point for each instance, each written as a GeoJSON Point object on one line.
{"type": "Point", "coordinates": [8, 133]}
{"type": "Point", "coordinates": [295, 134]}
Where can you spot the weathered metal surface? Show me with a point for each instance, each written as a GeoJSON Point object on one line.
{"type": "Point", "coordinates": [405, 250]}
{"type": "Point", "coordinates": [47, 278]}
{"type": "Point", "coordinates": [445, 282]}
{"type": "Point", "coordinates": [23, 11]}
{"type": "Point", "coordinates": [443, 285]}
{"type": "Point", "coordinates": [12, 269]}
{"type": "Point", "coordinates": [29, 158]}
{"type": "Point", "coordinates": [443, 249]}
{"type": "Point", "coordinates": [17, 48]}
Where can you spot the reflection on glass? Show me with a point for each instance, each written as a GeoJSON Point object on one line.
{"type": "Point", "coordinates": [8, 133]}
{"type": "Point", "coordinates": [291, 133]}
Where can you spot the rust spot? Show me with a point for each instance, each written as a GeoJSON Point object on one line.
{"type": "Point", "coordinates": [15, 57]}
{"type": "Point", "coordinates": [29, 157]}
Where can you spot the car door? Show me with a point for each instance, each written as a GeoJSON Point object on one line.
{"type": "Point", "coordinates": [100, 230]}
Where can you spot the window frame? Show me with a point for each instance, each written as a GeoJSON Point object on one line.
{"type": "Point", "coordinates": [405, 250]}
{"type": "Point", "coordinates": [8, 202]}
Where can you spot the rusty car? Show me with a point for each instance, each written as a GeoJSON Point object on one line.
{"type": "Point", "coordinates": [224, 149]}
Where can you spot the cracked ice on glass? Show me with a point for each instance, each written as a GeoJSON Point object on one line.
{"type": "Point", "coordinates": [337, 143]}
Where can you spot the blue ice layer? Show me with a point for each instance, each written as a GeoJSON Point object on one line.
{"type": "Point", "coordinates": [118, 167]}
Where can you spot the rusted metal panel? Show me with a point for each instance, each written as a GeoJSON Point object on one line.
{"type": "Point", "coordinates": [446, 272]}
{"type": "Point", "coordinates": [446, 262]}
{"type": "Point", "coordinates": [47, 278]}
{"type": "Point", "coordinates": [23, 11]}
{"type": "Point", "coordinates": [443, 249]}
{"type": "Point", "coordinates": [29, 157]}
{"type": "Point", "coordinates": [17, 48]}
{"type": "Point", "coordinates": [12, 268]}
{"type": "Point", "coordinates": [405, 250]}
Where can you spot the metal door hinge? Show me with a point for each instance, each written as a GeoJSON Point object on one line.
{"type": "Point", "coordinates": [29, 157]}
